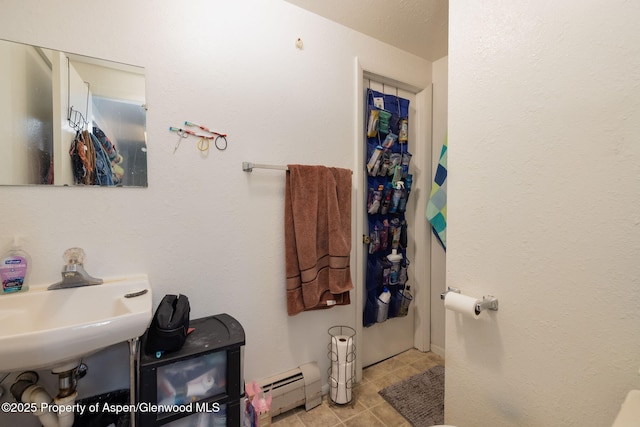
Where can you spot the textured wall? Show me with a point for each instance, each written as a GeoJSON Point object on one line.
{"type": "Point", "coordinates": [544, 202]}
{"type": "Point", "coordinates": [203, 227]}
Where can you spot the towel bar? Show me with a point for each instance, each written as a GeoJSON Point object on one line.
{"type": "Point", "coordinates": [248, 167]}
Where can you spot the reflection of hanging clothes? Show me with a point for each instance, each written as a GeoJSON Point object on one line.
{"type": "Point", "coordinates": [82, 158]}
{"type": "Point", "coordinates": [77, 167]}
{"type": "Point", "coordinates": [111, 151]}
{"type": "Point", "coordinates": [90, 157]}
{"type": "Point", "coordinates": [89, 161]}
{"type": "Point", "coordinates": [103, 175]}
{"type": "Point", "coordinates": [106, 143]}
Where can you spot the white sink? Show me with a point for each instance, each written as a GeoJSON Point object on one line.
{"type": "Point", "coordinates": [40, 328]}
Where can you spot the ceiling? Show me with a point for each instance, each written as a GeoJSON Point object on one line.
{"type": "Point", "coordinates": [416, 26]}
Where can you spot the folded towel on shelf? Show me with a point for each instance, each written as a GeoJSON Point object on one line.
{"type": "Point", "coordinates": [317, 228]}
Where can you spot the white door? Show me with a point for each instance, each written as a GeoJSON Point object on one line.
{"type": "Point", "coordinates": [395, 335]}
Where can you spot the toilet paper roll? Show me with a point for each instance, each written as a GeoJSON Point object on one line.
{"type": "Point", "coordinates": [342, 349]}
{"type": "Point", "coordinates": [461, 304]}
{"type": "Point", "coordinates": [342, 372]}
{"type": "Point", "coordinates": [340, 392]}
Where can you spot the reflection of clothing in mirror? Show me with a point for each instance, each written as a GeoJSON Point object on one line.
{"type": "Point", "coordinates": [103, 174]}
{"type": "Point", "coordinates": [112, 153]}
{"type": "Point", "coordinates": [108, 146]}
{"type": "Point", "coordinates": [82, 158]}
{"type": "Point", "coordinates": [93, 158]}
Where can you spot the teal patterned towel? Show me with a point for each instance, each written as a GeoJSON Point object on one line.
{"type": "Point", "coordinates": [437, 206]}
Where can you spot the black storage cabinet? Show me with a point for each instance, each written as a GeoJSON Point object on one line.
{"type": "Point", "coordinates": [199, 385]}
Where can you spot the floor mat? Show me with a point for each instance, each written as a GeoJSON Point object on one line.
{"type": "Point", "coordinates": [420, 398]}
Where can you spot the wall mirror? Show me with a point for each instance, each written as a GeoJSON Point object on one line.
{"type": "Point", "coordinates": [70, 120]}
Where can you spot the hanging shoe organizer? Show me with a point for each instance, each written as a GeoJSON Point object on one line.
{"type": "Point", "coordinates": [389, 186]}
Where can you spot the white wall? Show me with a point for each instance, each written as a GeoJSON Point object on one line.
{"type": "Point", "coordinates": [544, 202]}
{"type": "Point", "coordinates": [203, 227]}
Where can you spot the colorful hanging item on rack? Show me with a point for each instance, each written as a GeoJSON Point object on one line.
{"type": "Point", "coordinates": [204, 141]}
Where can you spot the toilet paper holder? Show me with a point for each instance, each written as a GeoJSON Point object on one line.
{"type": "Point", "coordinates": [449, 289]}
{"type": "Point", "coordinates": [489, 302]}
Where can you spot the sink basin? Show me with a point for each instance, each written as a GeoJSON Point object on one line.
{"type": "Point", "coordinates": [46, 329]}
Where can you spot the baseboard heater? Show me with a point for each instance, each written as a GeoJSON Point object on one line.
{"type": "Point", "coordinates": [297, 387]}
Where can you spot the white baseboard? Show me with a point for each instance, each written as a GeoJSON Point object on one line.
{"type": "Point", "coordinates": [437, 350]}
{"type": "Point", "coordinates": [325, 389]}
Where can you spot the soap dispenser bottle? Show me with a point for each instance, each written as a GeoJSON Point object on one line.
{"type": "Point", "coordinates": [14, 269]}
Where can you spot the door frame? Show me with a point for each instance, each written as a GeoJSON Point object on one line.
{"type": "Point", "coordinates": [421, 287]}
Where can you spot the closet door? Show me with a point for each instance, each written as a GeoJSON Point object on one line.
{"type": "Point", "coordinates": [384, 339]}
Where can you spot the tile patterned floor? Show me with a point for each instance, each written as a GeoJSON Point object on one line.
{"type": "Point", "coordinates": [369, 408]}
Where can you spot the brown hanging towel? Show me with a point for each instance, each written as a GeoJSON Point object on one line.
{"type": "Point", "coordinates": [317, 221]}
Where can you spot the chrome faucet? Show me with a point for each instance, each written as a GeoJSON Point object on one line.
{"type": "Point", "coordinates": [73, 272]}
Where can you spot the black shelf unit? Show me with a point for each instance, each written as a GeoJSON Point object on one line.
{"type": "Point", "coordinates": [199, 385]}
